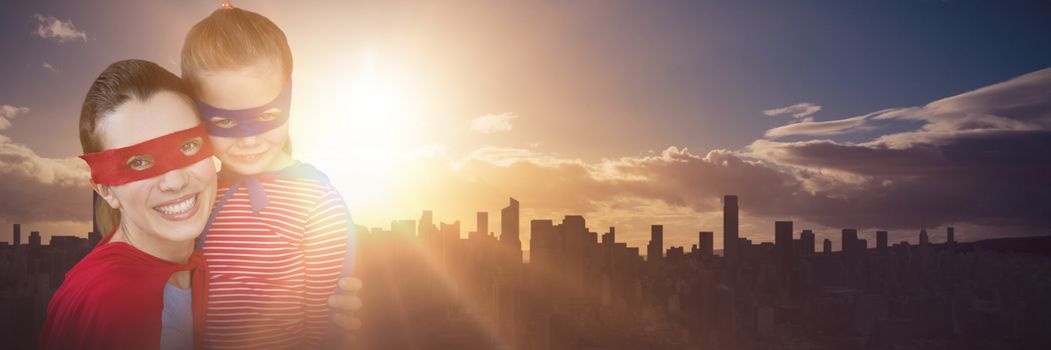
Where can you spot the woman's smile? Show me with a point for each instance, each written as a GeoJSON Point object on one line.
{"type": "Point", "coordinates": [180, 208]}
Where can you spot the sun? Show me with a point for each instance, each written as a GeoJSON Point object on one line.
{"type": "Point", "coordinates": [360, 122]}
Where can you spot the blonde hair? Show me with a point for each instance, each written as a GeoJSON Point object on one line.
{"type": "Point", "coordinates": [232, 38]}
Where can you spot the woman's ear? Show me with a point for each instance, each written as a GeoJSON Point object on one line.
{"type": "Point", "coordinates": [106, 193]}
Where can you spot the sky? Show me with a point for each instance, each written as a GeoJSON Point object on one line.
{"type": "Point", "coordinates": [896, 115]}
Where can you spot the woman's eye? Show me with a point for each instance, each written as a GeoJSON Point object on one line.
{"type": "Point", "coordinates": [224, 123]}
{"type": "Point", "coordinates": [140, 162]}
{"type": "Point", "coordinates": [191, 146]}
{"type": "Point", "coordinates": [269, 115]}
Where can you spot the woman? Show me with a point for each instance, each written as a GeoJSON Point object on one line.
{"type": "Point", "coordinates": [152, 164]}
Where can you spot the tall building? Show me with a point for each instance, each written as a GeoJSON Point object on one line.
{"type": "Point", "coordinates": [542, 243]}
{"type": "Point", "coordinates": [783, 242]}
{"type": "Point", "coordinates": [881, 241]}
{"type": "Point", "coordinates": [655, 250]}
{"type": "Point", "coordinates": [730, 225]}
{"type": "Point", "coordinates": [481, 226]}
{"type": "Point", "coordinates": [34, 251]}
{"type": "Point", "coordinates": [17, 235]}
{"type": "Point", "coordinates": [826, 247]}
{"type": "Point", "coordinates": [806, 241]}
{"type": "Point", "coordinates": [34, 239]}
{"type": "Point", "coordinates": [425, 228]}
{"type": "Point", "coordinates": [850, 238]}
{"type": "Point", "coordinates": [924, 239]}
{"type": "Point", "coordinates": [950, 235]}
{"type": "Point", "coordinates": [509, 226]}
{"type": "Point", "coordinates": [610, 237]}
{"type": "Point", "coordinates": [706, 243]}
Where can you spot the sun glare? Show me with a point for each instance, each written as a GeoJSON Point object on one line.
{"type": "Point", "coordinates": [364, 121]}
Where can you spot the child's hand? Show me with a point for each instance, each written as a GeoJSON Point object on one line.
{"type": "Point", "coordinates": [345, 305]}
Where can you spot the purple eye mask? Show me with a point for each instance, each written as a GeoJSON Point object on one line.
{"type": "Point", "coordinates": [249, 121]}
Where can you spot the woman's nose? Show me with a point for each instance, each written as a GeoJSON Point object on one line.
{"type": "Point", "coordinates": [173, 181]}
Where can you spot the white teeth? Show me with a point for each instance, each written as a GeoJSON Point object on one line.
{"type": "Point", "coordinates": [249, 158]}
{"type": "Point", "coordinates": [178, 208]}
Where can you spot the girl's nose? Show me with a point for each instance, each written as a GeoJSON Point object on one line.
{"type": "Point", "coordinates": [248, 141]}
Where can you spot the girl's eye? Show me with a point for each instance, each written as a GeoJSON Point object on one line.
{"type": "Point", "coordinates": [224, 123]}
{"type": "Point", "coordinates": [191, 146]}
{"type": "Point", "coordinates": [270, 114]}
{"type": "Point", "coordinates": [140, 162]}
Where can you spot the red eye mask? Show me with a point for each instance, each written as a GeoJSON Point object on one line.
{"type": "Point", "coordinates": [150, 158]}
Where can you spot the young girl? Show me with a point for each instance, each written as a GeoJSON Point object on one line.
{"type": "Point", "coordinates": [279, 237]}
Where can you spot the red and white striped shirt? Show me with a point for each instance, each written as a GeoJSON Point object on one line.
{"type": "Point", "coordinates": [271, 274]}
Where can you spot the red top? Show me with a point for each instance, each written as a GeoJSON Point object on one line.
{"type": "Point", "coordinates": [113, 298]}
{"type": "Point", "coordinates": [271, 272]}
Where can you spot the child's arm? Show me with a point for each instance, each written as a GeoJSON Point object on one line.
{"type": "Point", "coordinates": [324, 248]}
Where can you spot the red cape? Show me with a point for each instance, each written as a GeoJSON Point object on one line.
{"type": "Point", "coordinates": [113, 298]}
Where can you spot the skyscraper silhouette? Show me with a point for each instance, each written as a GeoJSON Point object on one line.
{"type": "Point", "coordinates": [881, 241]}
{"type": "Point", "coordinates": [783, 242]}
{"type": "Point", "coordinates": [849, 241]}
{"type": "Point", "coordinates": [509, 227]}
{"type": "Point", "coordinates": [730, 223]}
{"type": "Point", "coordinates": [425, 228]}
{"type": "Point", "coordinates": [705, 244]}
{"type": "Point", "coordinates": [806, 240]}
{"type": "Point", "coordinates": [610, 237]}
{"type": "Point", "coordinates": [481, 226]}
{"type": "Point", "coordinates": [655, 250]}
{"type": "Point", "coordinates": [17, 235]}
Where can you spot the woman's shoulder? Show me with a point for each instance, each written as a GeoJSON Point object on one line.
{"type": "Point", "coordinates": [110, 272]}
{"type": "Point", "coordinates": [105, 302]}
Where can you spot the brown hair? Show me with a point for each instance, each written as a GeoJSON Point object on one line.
{"type": "Point", "coordinates": [232, 38]}
{"type": "Point", "coordinates": [119, 83]}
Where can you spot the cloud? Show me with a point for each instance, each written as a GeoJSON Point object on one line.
{"type": "Point", "coordinates": [36, 188]}
{"type": "Point", "coordinates": [812, 128]}
{"type": "Point", "coordinates": [493, 123]}
{"type": "Point", "coordinates": [977, 159]}
{"type": "Point", "coordinates": [49, 67]}
{"type": "Point", "coordinates": [1018, 104]}
{"type": "Point", "coordinates": [798, 110]}
{"type": "Point", "coordinates": [50, 27]}
{"type": "Point", "coordinates": [39, 189]}
{"type": "Point", "coordinates": [8, 112]}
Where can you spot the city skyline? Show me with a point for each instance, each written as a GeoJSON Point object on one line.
{"type": "Point", "coordinates": [861, 114]}
{"type": "Point", "coordinates": [783, 232]}
{"type": "Point", "coordinates": [429, 284]}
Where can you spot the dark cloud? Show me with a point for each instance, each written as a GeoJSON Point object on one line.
{"type": "Point", "coordinates": [980, 157]}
